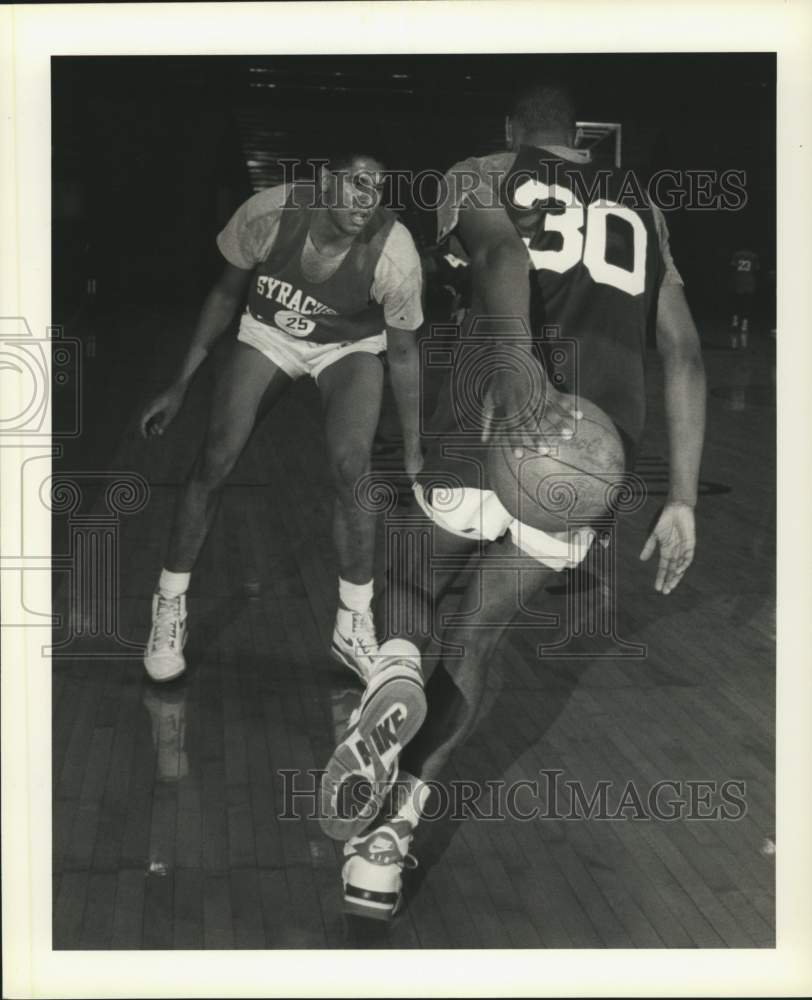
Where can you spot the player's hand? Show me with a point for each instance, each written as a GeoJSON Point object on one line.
{"type": "Point", "coordinates": [675, 533]}
{"type": "Point", "coordinates": [559, 414]}
{"type": "Point", "coordinates": [159, 413]}
{"type": "Point", "coordinates": [535, 413]}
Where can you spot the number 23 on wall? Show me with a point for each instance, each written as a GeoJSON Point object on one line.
{"type": "Point", "coordinates": [590, 249]}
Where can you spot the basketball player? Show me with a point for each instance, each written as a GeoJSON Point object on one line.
{"type": "Point", "coordinates": [333, 279]}
{"type": "Point", "coordinates": [743, 265]}
{"type": "Point", "coordinates": [599, 270]}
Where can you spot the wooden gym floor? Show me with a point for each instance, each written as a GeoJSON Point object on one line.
{"type": "Point", "coordinates": [166, 800]}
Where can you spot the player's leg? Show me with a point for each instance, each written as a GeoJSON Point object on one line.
{"type": "Point", "coordinates": [746, 308]}
{"type": "Point", "coordinates": [734, 322]}
{"type": "Point", "coordinates": [374, 859]}
{"type": "Point", "coordinates": [444, 530]}
{"type": "Point", "coordinates": [456, 687]}
{"type": "Point", "coordinates": [359, 773]}
{"type": "Point", "coordinates": [351, 390]}
{"type": "Point", "coordinates": [422, 563]}
{"type": "Point", "coordinates": [248, 383]}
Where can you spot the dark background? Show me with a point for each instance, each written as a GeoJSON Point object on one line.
{"type": "Point", "coordinates": [151, 155]}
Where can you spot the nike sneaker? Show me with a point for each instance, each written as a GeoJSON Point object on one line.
{"type": "Point", "coordinates": [163, 657]}
{"type": "Point", "coordinates": [364, 765]}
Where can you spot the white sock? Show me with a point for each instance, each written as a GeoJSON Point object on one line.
{"type": "Point", "coordinates": [173, 584]}
{"type": "Point", "coordinates": [401, 647]}
{"type": "Point", "coordinates": [355, 596]}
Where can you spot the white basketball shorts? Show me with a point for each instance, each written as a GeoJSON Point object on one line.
{"type": "Point", "coordinates": [480, 515]}
{"type": "Point", "coordinates": [297, 357]}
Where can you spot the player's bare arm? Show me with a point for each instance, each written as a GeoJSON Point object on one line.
{"type": "Point", "coordinates": [679, 348]}
{"type": "Point", "coordinates": [404, 370]}
{"type": "Point", "coordinates": [500, 268]}
{"type": "Point", "coordinates": [217, 311]}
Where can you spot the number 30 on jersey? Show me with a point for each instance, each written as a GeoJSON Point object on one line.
{"type": "Point", "coordinates": [590, 249]}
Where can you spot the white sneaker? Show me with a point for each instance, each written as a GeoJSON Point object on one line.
{"type": "Point", "coordinates": [354, 641]}
{"type": "Point", "coordinates": [373, 870]}
{"type": "Point", "coordinates": [364, 765]}
{"type": "Point", "coordinates": [164, 653]}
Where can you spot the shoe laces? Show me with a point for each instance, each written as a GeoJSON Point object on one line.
{"type": "Point", "coordinates": [363, 632]}
{"type": "Point", "coordinates": [167, 619]}
{"type": "Point", "coordinates": [407, 859]}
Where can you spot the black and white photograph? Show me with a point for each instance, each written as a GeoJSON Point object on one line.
{"type": "Point", "coordinates": [396, 503]}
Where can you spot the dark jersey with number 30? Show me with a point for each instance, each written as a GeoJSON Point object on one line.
{"type": "Point", "coordinates": [597, 266]}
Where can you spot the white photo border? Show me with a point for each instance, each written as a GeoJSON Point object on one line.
{"type": "Point", "coordinates": [30, 35]}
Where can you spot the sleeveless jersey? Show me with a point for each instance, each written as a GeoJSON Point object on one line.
{"type": "Point", "coordinates": [744, 265]}
{"type": "Point", "coordinates": [596, 271]}
{"type": "Point", "coordinates": [282, 296]}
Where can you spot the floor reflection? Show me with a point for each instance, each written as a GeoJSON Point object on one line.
{"type": "Point", "coordinates": [167, 715]}
{"type": "Point", "coordinates": [744, 397]}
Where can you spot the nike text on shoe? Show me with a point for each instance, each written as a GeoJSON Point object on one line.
{"type": "Point", "coordinates": [163, 657]}
{"type": "Point", "coordinates": [354, 641]}
{"type": "Point", "coordinates": [364, 765]}
{"type": "Point", "coordinates": [373, 869]}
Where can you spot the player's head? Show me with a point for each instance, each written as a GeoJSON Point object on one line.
{"type": "Point", "coordinates": [541, 111]}
{"type": "Point", "coordinates": [351, 186]}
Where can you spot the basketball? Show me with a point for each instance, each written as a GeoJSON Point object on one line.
{"type": "Point", "coordinates": [573, 481]}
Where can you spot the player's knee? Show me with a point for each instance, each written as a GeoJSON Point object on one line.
{"type": "Point", "coordinates": [480, 643]}
{"type": "Point", "coordinates": [349, 467]}
{"type": "Point", "coordinates": [214, 466]}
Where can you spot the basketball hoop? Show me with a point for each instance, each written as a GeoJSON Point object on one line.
{"type": "Point", "coordinates": [589, 135]}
